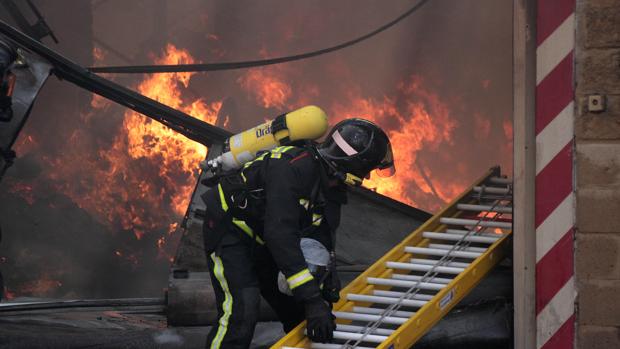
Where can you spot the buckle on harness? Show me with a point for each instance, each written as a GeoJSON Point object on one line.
{"type": "Point", "coordinates": [279, 124]}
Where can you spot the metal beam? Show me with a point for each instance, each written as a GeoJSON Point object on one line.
{"type": "Point", "coordinates": [178, 121]}
{"type": "Point", "coordinates": [524, 239]}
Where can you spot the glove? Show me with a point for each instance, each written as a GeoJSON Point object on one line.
{"type": "Point", "coordinates": [331, 287]}
{"type": "Point", "coordinates": [320, 321]}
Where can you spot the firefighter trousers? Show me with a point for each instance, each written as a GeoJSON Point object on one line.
{"type": "Point", "coordinates": [242, 271]}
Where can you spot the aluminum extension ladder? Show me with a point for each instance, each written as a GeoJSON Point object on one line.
{"type": "Point", "coordinates": [402, 295]}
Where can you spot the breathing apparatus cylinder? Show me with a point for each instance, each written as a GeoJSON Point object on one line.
{"type": "Point", "coordinates": [307, 123]}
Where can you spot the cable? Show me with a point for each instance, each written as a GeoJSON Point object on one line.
{"type": "Point", "coordinates": [178, 68]}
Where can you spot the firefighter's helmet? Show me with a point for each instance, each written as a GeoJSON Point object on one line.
{"type": "Point", "coordinates": [356, 147]}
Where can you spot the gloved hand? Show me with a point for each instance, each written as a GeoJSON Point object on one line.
{"type": "Point", "coordinates": [331, 287]}
{"type": "Point", "coordinates": [320, 321]}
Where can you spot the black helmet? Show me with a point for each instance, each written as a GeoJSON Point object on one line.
{"type": "Point", "coordinates": [355, 147]}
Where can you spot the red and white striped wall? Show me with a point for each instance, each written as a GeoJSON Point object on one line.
{"type": "Point", "coordinates": [555, 281]}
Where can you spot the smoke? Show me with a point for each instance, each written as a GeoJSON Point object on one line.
{"type": "Point", "coordinates": [439, 83]}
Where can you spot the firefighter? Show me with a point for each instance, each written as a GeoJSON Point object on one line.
{"type": "Point", "coordinates": [256, 217]}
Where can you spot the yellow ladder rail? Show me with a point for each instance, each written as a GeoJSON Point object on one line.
{"type": "Point", "coordinates": [412, 327]}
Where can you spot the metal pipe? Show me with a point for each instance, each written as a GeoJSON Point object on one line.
{"type": "Point", "coordinates": [385, 300]}
{"type": "Point", "coordinates": [368, 317]}
{"type": "Point", "coordinates": [473, 233]}
{"type": "Point", "coordinates": [379, 311]}
{"type": "Point", "coordinates": [440, 252]}
{"type": "Point", "coordinates": [481, 208]}
{"type": "Point", "coordinates": [423, 267]}
{"type": "Point", "coordinates": [419, 277]}
{"type": "Point", "coordinates": [459, 249]}
{"type": "Point", "coordinates": [436, 261]}
{"type": "Point", "coordinates": [332, 346]}
{"type": "Point", "coordinates": [500, 180]}
{"type": "Point", "coordinates": [394, 294]}
{"type": "Point", "coordinates": [480, 196]}
{"type": "Point", "coordinates": [373, 338]}
{"type": "Point", "coordinates": [457, 237]}
{"type": "Point", "coordinates": [472, 222]}
{"type": "Point", "coordinates": [491, 190]}
{"type": "Point", "coordinates": [405, 283]}
{"type": "Point", "coordinates": [353, 328]}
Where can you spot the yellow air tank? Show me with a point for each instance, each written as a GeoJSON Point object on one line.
{"type": "Point", "coordinates": [307, 123]}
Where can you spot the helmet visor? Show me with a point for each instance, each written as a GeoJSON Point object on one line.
{"type": "Point", "coordinates": [386, 167]}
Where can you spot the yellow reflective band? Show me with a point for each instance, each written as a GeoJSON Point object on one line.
{"type": "Point", "coordinates": [281, 149]}
{"type": "Point", "coordinates": [276, 153]}
{"type": "Point", "coordinates": [353, 180]}
{"type": "Point", "coordinates": [260, 158]}
{"type": "Point", "coordinates": [317, 219]}
{"type": "Point", "coordinates": [305, 203]}
{"type": "Point", "coordinates": [243, 176]}
{"type": "Point", "coordinates": [218, 270]}
{"type": "Point", "coordinates": [222, 198]}
{"type": "Point", "coordinates": [246, 229]}
{"type": "Point", "coordinates": [299, 279]}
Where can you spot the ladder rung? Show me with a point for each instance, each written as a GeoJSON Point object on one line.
{"type": "Point", "coordinates": [472, 222]}
{"type": "Point", "coordinates": [418, 277]}
{"type": "Point", "coordinates": [473, 233]}
{"type": "Point", "coordinates": [353, 328]}
{"type": "Point", "coordinates": [423, 267]}
{"type": "Point", "coordinates": [373, 338]}
{"type": "Point", "coordinates": [379, 311]}
{"type": "Point", "coordinates": [458, 248]}
{"type": "Point", "coordinates": [457, 237]}
{"type": "Point", "coordinates": [436, 261]}
{"type": "Point", "coordinates": [491, 190]}
{"type": "Point", "coordinates": [405, 283]}
{"type": "Point", "coordinates": [384, 300]}
{"type": "Point", "coordinates": [484, 208]}
{"type": "Point", "coordinates": [369, 317]}
{"type": "Point", "coordinates": [331, 346]}
{"type": "Point", "coordinates": [394, 294]}
{"type": "Point", "coordinates": [440, 252]}
{"type": "Point", "coordinates": [500, 180]}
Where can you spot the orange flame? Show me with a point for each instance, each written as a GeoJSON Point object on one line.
{"type": "Point", "coordinates": [267, 85]}
{"type": "Point", "coordinates": [40, 287]}
{"type": "Point", "coordinates": [151, 140]}
{"type": "Point", "coordinates": [420, 122]}
{"type": "Point", "coordinates": [143, 181]}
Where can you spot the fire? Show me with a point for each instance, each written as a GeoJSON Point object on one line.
{"type": "Point", "coordinates": [416, 120]}
{"type": "Point", "coordinates": [98, 54]}
{"type": "Point", "coordinates": [24, 190]}
{"type": "Point", "coordinates": [267, 85]}
{"type": "Point", "coordinates": [40, 287]}
{"type": "Point", "coordinates": [142, 181]}
{"type": "Point", "coordinates": [148, 139]}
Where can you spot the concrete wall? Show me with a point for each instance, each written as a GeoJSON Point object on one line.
{"type": "Point", "coordinates": [598, 174]}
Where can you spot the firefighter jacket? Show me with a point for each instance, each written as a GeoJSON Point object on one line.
{"type": "Point", "coordinates": [274, 201]}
